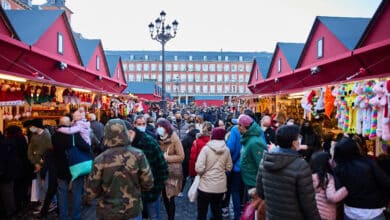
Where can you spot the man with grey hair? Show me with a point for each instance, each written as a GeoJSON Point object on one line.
{"type": "Point", "coordinates": [269, 133]}
{"type": "Point", "coordinates": [97, 129]}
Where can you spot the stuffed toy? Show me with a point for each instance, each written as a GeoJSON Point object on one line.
{"type": "Point", "coordinates": [364, 93]}
{"type": "Point", "coordinates": [329, 100]}
{"type": "Point", "coordinates": [307, 104]}
{"type": "Point", "coordinates": [350, 97]}
{"type": "Point", "coordinates": [341, 104]}
{"type": "Point", "coordinates": [320, 105]}
{"type": "Point", "coordinates": [380, 103]}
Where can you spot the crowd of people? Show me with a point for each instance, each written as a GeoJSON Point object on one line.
{"type": "Point", "coordinates": [143, 159]}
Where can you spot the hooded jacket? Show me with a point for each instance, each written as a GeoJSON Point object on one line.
{"type": "Point", "coordinates": [253, 146]}
{"type": "Point", "coordinates": [212, 164]}
{"type": "Point", "coordinates": [284, 180]}
{"type": "Point", "coordinates": [235, 146]}
{"type": "Point", "coordinates": [118, 175]}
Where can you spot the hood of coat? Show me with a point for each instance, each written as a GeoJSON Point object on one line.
{"type": "Point", "coordinates": [218, 146]}
{"type": "Point", "coordinates": [115, 134]}
{"type": "Point", "coordinates": [253, 131]}
{"type": "Point", "coordinates": [278, 160]}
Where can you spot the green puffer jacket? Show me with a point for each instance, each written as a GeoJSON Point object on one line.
{"type": "Point", "coordinates": [253, 147]}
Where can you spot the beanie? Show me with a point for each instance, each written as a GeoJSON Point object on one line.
{"type": "Point", "coordinates": [218, 134]}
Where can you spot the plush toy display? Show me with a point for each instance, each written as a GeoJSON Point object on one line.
{"type": "Point", "coordinates": [350, 97]}
{"type": "Point", "coordinates": [307, 104]}
{"type": "Point", "coordinates": [379, 103]}
{"type": "Point", "coordinates": [329, 101]}
{"type": "Point", "coordinates": [320, 104]}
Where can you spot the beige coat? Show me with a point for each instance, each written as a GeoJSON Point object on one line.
{"type": "Point", "coordinates": [212, 164]}
{"type": "Point", "coordinates": [174, 153]}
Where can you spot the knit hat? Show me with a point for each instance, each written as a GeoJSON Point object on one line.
{"type": "Point", "coordinates": [245, 120]}
{"type": "Point", "coordinates": [218, 134]}
{"type": "Point", "coordinates": [37, 122]}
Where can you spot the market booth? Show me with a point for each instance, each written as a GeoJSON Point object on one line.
{"type": "Point", "coordinates": [341, 79]}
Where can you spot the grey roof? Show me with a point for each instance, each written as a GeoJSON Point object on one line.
{"type": "Point", "coordinates": [131, 55]}
{"type": "Point", "coordinates": [141, 88]}
{"type": "Point", "coordinates": [347, 30]}
{"type": "Point", "coordinates": [86, 49]}
{"type": "Point", "coordinates": [112, 61]}
{"type": "Point", "coordinates": [209, 97]}
{"type": "Point", "coordinates": [30, 25]}
{"type": "Point", "coordinates": [292, 52]}
{"type": "Point", "coordinates": [264, 63]}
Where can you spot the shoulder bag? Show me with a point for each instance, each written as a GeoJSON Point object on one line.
{"type": "Point", "coordinates": [80, 162]}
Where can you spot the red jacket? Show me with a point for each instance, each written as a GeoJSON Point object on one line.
{"type": "Point", "coordinates": [196, 147]}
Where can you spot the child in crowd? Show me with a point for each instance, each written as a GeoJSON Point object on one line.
{"type": "Point", "coordinates": [326, 194]}
{"type": "Point", "coordinates": [80, 124]}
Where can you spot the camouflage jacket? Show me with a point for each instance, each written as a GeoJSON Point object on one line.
{"type": "Point", "coordinates": [119, 175]}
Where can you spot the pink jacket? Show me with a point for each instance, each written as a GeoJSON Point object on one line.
{"type": "Point", "coordinates": [327, 199]}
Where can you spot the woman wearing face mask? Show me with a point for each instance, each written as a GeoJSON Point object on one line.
{"type": "Point", "coordinates": [171, 145]}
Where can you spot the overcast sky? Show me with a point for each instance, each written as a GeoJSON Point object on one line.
{"type": "Point", "coordinates": [208, 25]}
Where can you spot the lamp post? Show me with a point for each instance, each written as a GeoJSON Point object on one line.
{"type": "Point", "coordinates": [162, 34]}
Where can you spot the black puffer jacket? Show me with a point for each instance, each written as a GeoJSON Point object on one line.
{"type": "Point", "coordinates": [284, 180]}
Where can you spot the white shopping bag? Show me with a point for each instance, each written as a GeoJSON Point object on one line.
{"type": "Point", "coordinates": [35, 190]}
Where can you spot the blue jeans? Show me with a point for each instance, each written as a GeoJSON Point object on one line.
{"type": "Point", "coordinates": [77, 192]}
{"type": "Point", "coordinates": [379, 217]}
{"type": "Point", "coordinates": [153, 209]}
{"type": "Point", "coordinates": [237, 189]}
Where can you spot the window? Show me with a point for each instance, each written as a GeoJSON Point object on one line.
{"type": "Point", "coordinates": [227, 88]}
{"type": "Point", "coordinates": [159, 77]}
{"type": "Point", "coordinates": [183, 77]}
{"type": "Point", "coordinates": [241, 77]}
{"type": "Point", "coordinates": [131, 67]}
{"type": "Point", "coordinates": [212, 77]}
{"type": "Point", "coordinates": [138, 77]}
{"type": "Point", "coordinates": [226, 68]}
{"type": "Point", "coordinates": [226, 58]}
{"type": "Point", "coordinates": [205, 89]}
{"type": "Point", "coordinates": [168, 88]}
{"type": "Point", "coordinates": [190, 67]}
{"type": "Point", "coordinates": [6, 5]}
{"type": "Point", "coordinates": [205, 67]}
{"type": "Point", "coordinates": [131, 57]}
{"type": "Point", "coordinates": [153, 67]}
{"type": "Point", "coordinates": [241, 89]}
{"type": "Point", "coordinates": [124, 66]}
{"type": "Point", "coordinates": [204, 58]}
{"type": "Point", "coordinates": [190, 77]}
{"type": "Point", "coordinates": [146, 67]}
{"type": "Point", "coordinates": [190, 88]}
{"type": "Point", "coordinates": [205, 78]}
{"type": "Point", "coordinates": [182, 88]}
{"type": "Point", "coordinates": [219, 88]}
{"type": "Point", "coordinates": [97, 62]}
{"type": "Point", "coordinates": [197, 88]}
{"type": "Point", "coordinates": [190, 58]}
{"type": "Point", "coordinates": [240, 58]}
{"type": "Point", "coordinates": [118, 74]}
{"type": "Point", "coordinates": [197, 77]}
{"type": "Point", "coordinates": [234, 68]}
{"type": "Point", "coordinates": [167, 77]}
{"type": "Point", "coordinates": [241, 68]}
{"type": "Point", "coordinates": [139, 67]}
{"type": "Point", "coordinates": [248, 67]}
{"type": "Point", "coordinates": [60, 43]}
{"type": "Point", "coordinates": [219, 67]}
{"type": "Point", "coordinates": [131, 77]}
{"type": "Point", "coordinates": [175, 57]}
{"type": "Point", "coordinates": [227, 78]}
{"type": "Point", "coordinates": [146, 57]}
{"type": "Point", "coordinates": [279, 65]}
{"type": "Point", "coordinates": [168, 67]}
{"type": "Point", "coordinates": [175, 67]}
{"type": "Point", "coordinates": [182, 67]}
{"type": "Point", "coordinates": [212, 88]}
{"type": "Point", "coordinates": [197, 67]}
{"type": "Point", "coordinates": [160, 57]}
{"type": "Point", "coordinates": [320, 48]}
{"type": "Point", "coordinates": [233, 89]}
{"type": "Point", "coordinates": [247, 78]}
{"type": "Point", "coordinates": [219, 77]}
{"type": "Point", "coordinates": [257, 74]}
{"type": "Point", "coordinates": [160, 67]}
{"type": "Point", "coordinates": [146, 76]}
{"type": "Point", "coordinates": [234, 77]}
{"type": "Point", "coordinates": [153, 76]}
{"type": "Point", "coordinates": [212, 67]}
{"type": "Point", "coordinates": [219, 58]}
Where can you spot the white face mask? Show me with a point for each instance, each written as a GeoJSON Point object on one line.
{"type": "Point", "coordinates": [160, 131]}
{"type": "Point", "coordinates": [141, 128]}
{"type": "Point", "coordinates": [33, 129]}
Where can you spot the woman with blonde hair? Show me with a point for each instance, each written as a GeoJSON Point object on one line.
{"type": "Point", "coordinates": [171, 145]}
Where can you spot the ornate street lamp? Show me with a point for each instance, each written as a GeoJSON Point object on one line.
{"type": "Point", "coordinates": [162, 33]}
